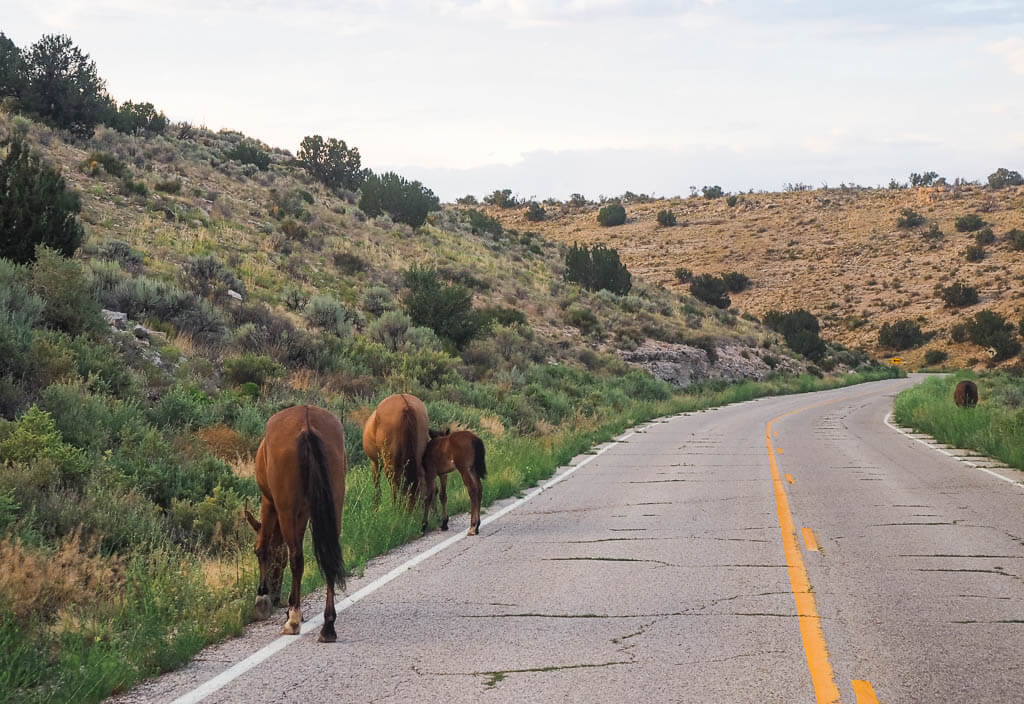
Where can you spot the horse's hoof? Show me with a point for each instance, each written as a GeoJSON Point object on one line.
{"type": "Point", "coordinates": [444, 525]}
{"type": "Point", "coordinates": [261, 611]}
{"type": "Point", "coordinates": [327, 636]}
{"type": "Point", "coordinates": [423, 528]}
{"type": "Point", "coordinates": [290, 629]}
{"type": "Point", "coordinates": [472, 530]}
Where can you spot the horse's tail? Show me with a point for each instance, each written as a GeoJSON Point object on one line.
{"type": "Point", "coordinates": [323, 514]}
{"type": "Point", "coordinates": [409, 457]}
{"type": "Point", "coordinates": [479, 463]}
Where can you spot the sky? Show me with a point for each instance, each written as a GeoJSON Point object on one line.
{"type": "Point", "coordinates": [551, 98]}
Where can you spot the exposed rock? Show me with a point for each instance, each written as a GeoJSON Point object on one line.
{"type": "Point", "coordinates": [114, 319]}
{"type": "Point", "coordinates": [234, 294]}
{"type": "Point", "coordinates": [683, 365]}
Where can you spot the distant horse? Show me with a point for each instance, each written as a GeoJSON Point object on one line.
{"type": "Point", "coordinates": [966, 394]}
{"type": "Point", "coordinates": [300, 469]}
{"type": "Point", "coordinates": [464, 451]}
{"type": "Point", "coordinates": [395, 434]}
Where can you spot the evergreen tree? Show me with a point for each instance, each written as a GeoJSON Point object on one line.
{"type": "Point", "coordinates": [331, 163]}
{"type": "Point", "coordinates": [64, 87]}
{"type": "Point", "coordinates": [36, 207]}
{"type": "Point", "coordinates": [405, 201]}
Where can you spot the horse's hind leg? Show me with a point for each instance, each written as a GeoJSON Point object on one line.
{"type": "Point", "coordinates": [443, 494]}
{"type": "Point", "coordinates": [291, 627]}
{"type": "Point", "coordinates": [475, 490]}
{"type": "Point", "coordinates": [327, 632]}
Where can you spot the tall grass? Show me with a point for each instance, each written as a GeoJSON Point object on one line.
{"type": "Point", "coordinates": [995, 427]}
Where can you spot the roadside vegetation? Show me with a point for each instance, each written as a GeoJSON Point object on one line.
{"type": "Point", "coordinates": [993, 427]}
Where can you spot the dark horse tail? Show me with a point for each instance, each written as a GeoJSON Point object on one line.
{"type": "Point", "coordinates": [479, 464]}
{"type": "Point", "coordinates": [408, 450]}
{"type": "Point", "coordinates": [323, 514]}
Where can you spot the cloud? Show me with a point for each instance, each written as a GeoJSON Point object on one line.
{"type": "Point", "coordinates": [1012, 51]}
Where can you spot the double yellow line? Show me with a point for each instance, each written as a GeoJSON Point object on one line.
{"type": "Point", "coordinates": [815, 648]}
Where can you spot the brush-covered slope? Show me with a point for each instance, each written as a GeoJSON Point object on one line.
{"type": "Point", "coordinates": [838, 253]}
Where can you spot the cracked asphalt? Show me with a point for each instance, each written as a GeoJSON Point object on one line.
{"type": "Point", "coordinates": [657, 573]}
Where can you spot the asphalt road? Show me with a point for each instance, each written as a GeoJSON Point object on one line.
{"type": "Point", "coordinates": [792, 549]}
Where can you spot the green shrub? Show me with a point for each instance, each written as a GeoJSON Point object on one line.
{"type": "Point", "coordinates": [481, 223]}
{"type": "Point", "coordinates": [206, 276]}
{"type": "Point", "coordinates": [711, 289]}
{"type": "Point", "coordinates": [36, 206]}
{"type": "Point", "coordinates": [984, 236]}
{"type": "Point", "coordinates": [328, 314]}
{"type": "Point", "coordinates": [182, 405]}
{"type": "Point", "coordinates": [447, 309]}
{"type": "Point", "coordinates": [611, 215]}
{"type": "Point", "coordinates": [731, 201]}
{"type": "Point", "coordinates": [251, 368]}
{"type": "Point", "coordinates": [1016, 239]}
{"type": "Point", "coordinates": [65, 290]}
{"type": "Point", "coordinates": [107, 162]}
{"type": "Point", "coordinates": [249, 151]}
{"type": "Point", "coordinates": [959, 295]}
{"type": "Point", "coordinates": [736, 282]}
{"type": "Point", "coordinates": [582, 318]}
{"type": "Point", "coordinates": [711, 192]}
{"type": "Point", "coordinates": [140, 119]}
{"type": "Point", "coordinates": [350, 264]}
{"type": "Point", "coordinates": [378, 299]}
{"type": "Point", "coordinates": [933, 357]}
{"type": "Point", "coordinates": [969, 223]}
{"type": "Point", "coordinates": [800, 329]}
{"type": "Point", "coordinates": [933, 233]}
{"type": "Point", "coordinates": [974, 253]}
{"type": "Point", "coordinates": [294, 230]}
{"type": "Point", "coordinates": [666, 218]}
{"type": "Point", "coordinates": [683, 275]}
{"type": "Point", "coordinates": [926, 179]}
{"type": "Point", "coordinates": [597, 268]}
{"type": "Point", "coordinates": [901, 335]}
{"type": "Point", "coordinates": [289, 203]}
{"type": "Point", "coordinates": [991, 330]}
{"type": "Point", "coordinates": [121, 252]}
{"type": "Point", "coordinates": [171, 185]}
{"type": "Point", "coordinates": [502, 198]}
{"type": "Point", "coordinates": [331, 163]}
{"type": "Point", "coordinates": [33, 440]}
{"type": "Point", "coordinates": [1001, 178]}
{"type": "Point", "coordinates": [909, 218]}
{"type": "Point", "coordinates": [535, 212]}
{"type": "Point", "coordinates": [405, 201]}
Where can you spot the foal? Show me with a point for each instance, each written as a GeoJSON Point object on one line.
{"type": "Point", "coordinates": [464, 451]}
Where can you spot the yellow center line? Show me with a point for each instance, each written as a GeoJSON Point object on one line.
{"type": "Point", "coordinates": [815, 649]}
{"type": "Point", "coordinates": [864, 691]}
{"type": "Point", "coordinates": [809, 540]}
{"type": "Point", "coordinates": [780, 450]}
{"type": "Point", "coordinates": [789, 479]}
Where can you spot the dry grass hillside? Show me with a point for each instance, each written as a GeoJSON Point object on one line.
{"type": "Point", "coordinates": [837, 253]}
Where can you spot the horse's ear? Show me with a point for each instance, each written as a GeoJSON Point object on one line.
{"type": "Point", "coordinates": [256, 525]}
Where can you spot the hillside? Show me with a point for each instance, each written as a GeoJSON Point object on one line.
{"type": "Point", "coordinates": [837, 253]}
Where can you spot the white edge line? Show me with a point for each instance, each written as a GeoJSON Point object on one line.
{"type": "Point", "coordinates": [986, 470]}
{"type": "Point", "coordinates": [241, 667]}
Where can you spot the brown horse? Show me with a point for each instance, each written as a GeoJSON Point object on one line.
{"type": "Point", "coordinates": [395, 434]}
{"type": "Point", "coordinates": [464, 451]}
{"type": "Point", "coordinates": [300, 469]}
{"type": "Point", "coordinates": [965, 394]}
